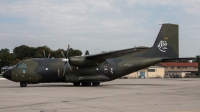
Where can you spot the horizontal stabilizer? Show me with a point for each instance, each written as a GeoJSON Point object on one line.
{"type": "Point", "coordinates": [178, 59]}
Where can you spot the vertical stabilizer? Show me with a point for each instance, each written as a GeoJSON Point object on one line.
{"type": "Point", "coordinates": [167, 42]}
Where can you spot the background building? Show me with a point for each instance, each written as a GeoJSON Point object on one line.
{"type": "Point", "coordinates": [167, 70]}
{"type": "Point", "coordinates": [151, 72]}
{"type": "Point", "coordinates": [179, 69]}
{"type": "Point", "coordinates": [4, 69]}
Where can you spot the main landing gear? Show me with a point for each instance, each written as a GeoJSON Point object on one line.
{"type": "Point", "coordinates": [95, 83]}
{"type": "Point", "coordinates": [76, 84]}
{"type": "Point", "coordinates": [23, 84]}
{"type": "Point", "coordinates": [87, 83]}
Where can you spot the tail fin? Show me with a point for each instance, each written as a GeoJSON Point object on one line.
{"type": "Point", "coordinates": [167, 43]}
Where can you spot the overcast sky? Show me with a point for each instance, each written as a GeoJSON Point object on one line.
{"type": "Point", "coordinates": [97, 25]}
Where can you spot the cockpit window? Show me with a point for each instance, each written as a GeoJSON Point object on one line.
{"type": "Point", "coordinates": [21, 65]}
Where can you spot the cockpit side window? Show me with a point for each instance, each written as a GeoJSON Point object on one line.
{"type": "Point", "coordinates": [21, 65]}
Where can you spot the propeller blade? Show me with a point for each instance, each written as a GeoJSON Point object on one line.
{"type": "Point", "coordinates": [68, 50]}
{"type": "Point", "coordinates": [44, 53]}
{"type": "Point", "coordinates": [69, 66]}
{"type": "Point", "coordinates": [63, 54]}
{"type": "Point", "coordinates": [49, 55]}
{"type": "Point", "coordinates": [58, 72]}
{"type": "Point", "coordinates": [65, 66]}
{"type": "Point", "coordinates": [64, 69]}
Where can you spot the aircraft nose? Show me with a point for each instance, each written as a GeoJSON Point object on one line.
{"type": "Point", "coordinates": [7, 75]}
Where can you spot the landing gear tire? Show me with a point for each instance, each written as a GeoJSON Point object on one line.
{"type": "Point", "coordinates": [76, 84]}
{"type": "Point", "coordinates": [23, 84]}
{"type": "Point", "coordinates": [86, 83]}
{"type": "Point", "coordinates": [95, 83]}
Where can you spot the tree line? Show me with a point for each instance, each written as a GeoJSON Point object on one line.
{"type": "Point", "coordinates": [25, 52]}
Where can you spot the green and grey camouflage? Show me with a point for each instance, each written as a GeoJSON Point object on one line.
{"type": "Point", "coordinates": [100, 67]}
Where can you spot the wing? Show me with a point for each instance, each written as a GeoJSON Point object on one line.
{"type": "Point", "coordinates": [114, 54]}
{"type": "Point", "coordinates": [89, 60]}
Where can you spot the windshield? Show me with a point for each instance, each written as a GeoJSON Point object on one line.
{"type": "Point", "coordinates": [20, 65]}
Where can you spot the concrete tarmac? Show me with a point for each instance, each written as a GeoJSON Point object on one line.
{"type": "Point", "coordinates": [121, 95]}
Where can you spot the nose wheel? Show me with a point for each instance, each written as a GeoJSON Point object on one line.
{"type": "Point", "coordinates": [23, 84]}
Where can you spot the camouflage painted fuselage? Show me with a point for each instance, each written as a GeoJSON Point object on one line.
{"type": "Point", "coordinates": [51, 70]}
{"type": "Point", "coordinates": [99, 67]}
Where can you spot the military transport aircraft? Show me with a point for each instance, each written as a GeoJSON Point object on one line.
{"type": "Point", "coordinates": [94, 69]}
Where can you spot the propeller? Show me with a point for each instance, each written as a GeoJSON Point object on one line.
{"type": "Point", "coordinates": [45, 54]}
{"type": "Point", "coordinates": [66, 60]}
